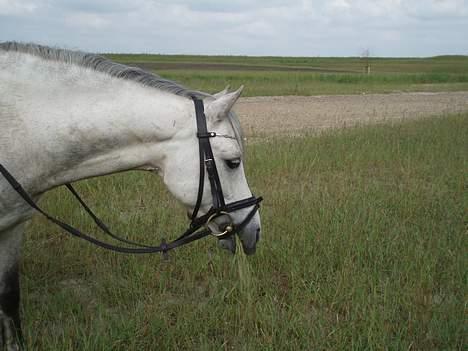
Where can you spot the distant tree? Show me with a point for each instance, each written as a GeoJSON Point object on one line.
{"type": "Point", "coordinates": [365, 56]}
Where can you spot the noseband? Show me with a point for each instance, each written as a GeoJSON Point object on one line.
{"type": "Point", "coordinates": [198, 227]}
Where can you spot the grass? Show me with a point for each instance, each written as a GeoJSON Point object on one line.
{"type": "Point", "coordinates": [270, 76]}
{"type": "Point", "coordinates": [271, 83]}
{"type": "Point", "coordinates": [438, 64]}
{"type": "Point", "coordinates": [364, 248]}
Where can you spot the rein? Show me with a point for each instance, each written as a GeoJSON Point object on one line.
{"type": "Point", "coordinates": [193, 232]}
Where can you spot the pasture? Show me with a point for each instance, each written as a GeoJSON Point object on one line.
{"type": "Point", "coordinates": [364, 248]}
{"type": "Point", "coordinates": [271, 76]}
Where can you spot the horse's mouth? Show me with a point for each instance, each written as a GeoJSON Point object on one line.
{"type": "Point", "coordinates": [247, 239]}
{"type": "Point", "coordinates": [228, 244]}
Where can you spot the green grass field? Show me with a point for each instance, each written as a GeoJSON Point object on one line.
{"type": "Point", "coordinates": [364, 248]}
{"type": "Point", "coordinates": [269, 76]}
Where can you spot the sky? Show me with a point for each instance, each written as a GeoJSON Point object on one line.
{"type": "Point", "coordinates": [388, 28]}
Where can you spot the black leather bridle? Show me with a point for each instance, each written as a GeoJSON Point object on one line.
{"type": "Point", "coordinates": [198, 227]}
{"type": "Point", "coordinates": [207, 161]}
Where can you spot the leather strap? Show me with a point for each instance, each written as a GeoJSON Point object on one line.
{"type": "Point", "coordinates": [188, 236]}
{"type": "Point", "coordinates": [206, 158]}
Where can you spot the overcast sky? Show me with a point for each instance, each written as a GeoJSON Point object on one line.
{"type": "Point", "coordinates": [242, 27]}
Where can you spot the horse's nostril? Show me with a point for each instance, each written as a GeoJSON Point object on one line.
{"type": "Point", "coordinates": [257, 235]}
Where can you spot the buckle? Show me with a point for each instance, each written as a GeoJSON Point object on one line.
{"type": "Point", "coordinates": [206, 135]}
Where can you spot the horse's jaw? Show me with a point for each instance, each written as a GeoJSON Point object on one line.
{"type": "Point", "coordinates": [249, 237]}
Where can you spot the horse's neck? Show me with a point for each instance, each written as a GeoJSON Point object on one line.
{"type": "Point", "coordinates": [91, 128]}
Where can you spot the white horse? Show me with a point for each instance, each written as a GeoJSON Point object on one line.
{"type": "Point", "coordinates": [67, 116]}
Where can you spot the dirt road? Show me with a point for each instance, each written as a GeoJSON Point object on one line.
{"type": "Point", "coordinates": [297, 114]}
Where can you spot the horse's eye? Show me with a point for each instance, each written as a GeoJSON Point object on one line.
{"type": "Point", "coordinates": [233, 164]}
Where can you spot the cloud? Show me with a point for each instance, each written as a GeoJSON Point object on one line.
{"type": "Point", "coordinates": [17, 7]}
{"type": "Point", "coordinates": [262, 27]}
{"type": "Point", "coordinates": [436, 9]}
{"type": "Point", "coordinates": [98, 6]}
{"type": "Point", "coordinates": [87, 20]}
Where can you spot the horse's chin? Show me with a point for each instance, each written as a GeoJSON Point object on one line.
{"type": "Point", "coordinates": [228, 244]}
{"type": "Point", "coordinates": [249, 236]}
{"type": "Point", "coordinates": [249, 250]}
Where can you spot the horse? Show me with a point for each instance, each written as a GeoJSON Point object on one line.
{"type": "Point", "coordinates": [67, 115]}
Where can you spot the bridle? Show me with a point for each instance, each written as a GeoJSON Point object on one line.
{"type": "Point", "coordinates": [207, 161]}
{"type": "Point", "coordinates": [199, 226]}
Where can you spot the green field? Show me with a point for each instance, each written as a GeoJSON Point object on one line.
{"type": "Point", "coordinates": [364, 248]}
{"type": "Point", "coordinates": [269, 76]}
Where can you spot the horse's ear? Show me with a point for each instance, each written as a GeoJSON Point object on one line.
{"type": "Point", "coordinates": [220, 107]}
{"type": "Point", "coordinates": [221, 93]}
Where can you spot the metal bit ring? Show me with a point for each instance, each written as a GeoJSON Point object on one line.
{"type": "Point", "coordinates": [229, 228]}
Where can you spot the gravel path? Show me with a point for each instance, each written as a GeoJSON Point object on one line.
{"type": "Point", "coordinates": [296, 114]}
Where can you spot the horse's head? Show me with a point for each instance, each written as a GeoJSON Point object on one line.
{"type": "Point", "coordinates": [181, 171]}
